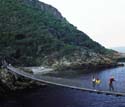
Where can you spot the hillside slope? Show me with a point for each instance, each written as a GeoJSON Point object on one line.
{"type": "Point", "coordinates": [34, 33]}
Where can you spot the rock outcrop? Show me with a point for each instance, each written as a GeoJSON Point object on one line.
{"type": "Point", "coordinates": [8, 83]}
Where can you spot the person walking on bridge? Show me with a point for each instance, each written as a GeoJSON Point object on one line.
{"type": "Point", "coordinates": [98, 82]}
{"type": "Point", "coordinates": [93, 82]}
{"type": "Point", "coordinates": [111, 80]}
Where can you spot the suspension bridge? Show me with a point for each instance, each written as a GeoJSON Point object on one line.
{"type": "Point", "coordinates": [59, 82]}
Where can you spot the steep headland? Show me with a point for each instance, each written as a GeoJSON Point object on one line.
{"type": "Point", "coordinates": [35, 33]}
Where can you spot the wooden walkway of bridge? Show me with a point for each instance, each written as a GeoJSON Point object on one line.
{"type": "Point", "coordinates": [59, 82]}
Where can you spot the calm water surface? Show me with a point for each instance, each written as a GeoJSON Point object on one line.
{"type": "Point", "coordinates": [117, 73]}
{"type": "Point", "coordinates": [54, 96]}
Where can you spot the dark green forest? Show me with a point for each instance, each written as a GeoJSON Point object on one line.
{"type": "Point", "coordinates": [29, 35]}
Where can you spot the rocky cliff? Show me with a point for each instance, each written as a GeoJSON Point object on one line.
{"type": "Point", "coordinates": [9, 83]}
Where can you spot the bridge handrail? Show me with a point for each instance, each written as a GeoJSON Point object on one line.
{"type": "Point", "coordinates": [31, 76]}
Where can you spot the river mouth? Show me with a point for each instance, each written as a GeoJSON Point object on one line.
{"type": "Point", "coordinates": [85, 79]}
{"type": "Point", "coordinates": [55, 96]}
